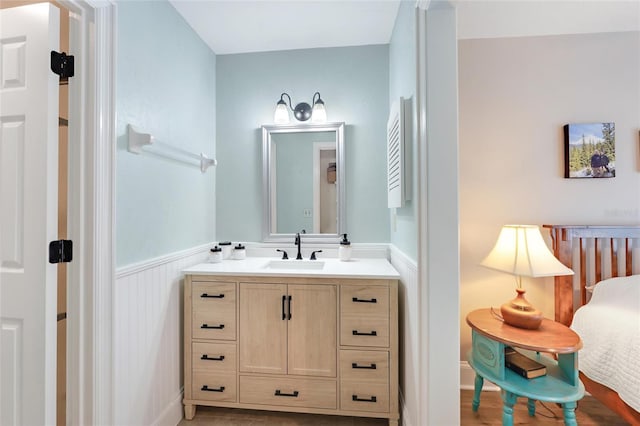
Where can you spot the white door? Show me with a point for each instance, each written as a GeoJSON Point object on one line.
{"type": "Point", "coordinates": [28, 213]}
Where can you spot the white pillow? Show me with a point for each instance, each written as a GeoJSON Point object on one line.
{"type": "Point", "coordinates": [621, 292]}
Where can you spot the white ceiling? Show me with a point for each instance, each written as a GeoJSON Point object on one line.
{"type": "Point", "coordinates": [256, 26]}
{"type": "Point", "coordinates": [240, 26]}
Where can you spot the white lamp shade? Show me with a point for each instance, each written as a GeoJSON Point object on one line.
{"type": "Point", "coordinates": [521, 250]}
{"type": "Point", "coordinates": [281, 115]}
{"type": "Point", "coordinates": [319, 113]}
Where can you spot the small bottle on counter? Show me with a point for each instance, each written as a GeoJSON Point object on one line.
{"type": "Point", "coordinates": [226, 249]}
{"type": "Point", "coordinates": [215, 255]}
{"type": "Point", "coordinates": [239, 252]}
{"type": "Point", "coordinates": [344, 251]}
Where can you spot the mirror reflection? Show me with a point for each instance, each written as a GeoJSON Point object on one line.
{"type": "Point", "coordinates": [303, 186]}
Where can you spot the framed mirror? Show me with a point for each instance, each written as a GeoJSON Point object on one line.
{"type": "Point", "coordinates": [303, 182]}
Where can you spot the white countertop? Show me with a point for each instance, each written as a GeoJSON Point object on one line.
{"type": "Point", "coordinates": [331, 268]}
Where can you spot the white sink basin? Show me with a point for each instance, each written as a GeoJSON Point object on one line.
{"type": "Point", "coordinates": [305, 265]}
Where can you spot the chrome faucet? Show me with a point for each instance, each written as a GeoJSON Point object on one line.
{"type": "Point", "coordinates": [298, 242]}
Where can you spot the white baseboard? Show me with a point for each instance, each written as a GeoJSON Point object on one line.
{"type": "Point", "coordinates": [172, 414]}
{"type": "Point", "coordinates": [404, 413]}
{"type": "Point", "coordinates": [468, 376]}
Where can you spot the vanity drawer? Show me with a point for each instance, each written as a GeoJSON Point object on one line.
{"type": "Point", "coordinates": [364, 300]}
{"type": "Point", "coordinates": [364, 331]}
{"type": "Point", "coordinates": [291, 392]}
{"type": "Point", "coordinates": [213, 311]}
{"type": "Point", "coordinates": [207, 296]}
{"type": "Point", "coordinates": [364, 366]}
{"type": "Point", "coordinates": [364, 396]}
{"type": "Point", "coordinates": [210, 357]}
{"type": "Point", "coordinates": [214, 387]}
{"type": "Point", "coordinates": [219, 324]}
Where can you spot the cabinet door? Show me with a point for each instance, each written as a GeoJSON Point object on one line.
{"type": "Point", "coordinates": [263, 331]}
{"type": "Point", "coordinates": [312, 330]}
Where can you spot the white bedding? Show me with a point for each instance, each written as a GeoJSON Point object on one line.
{"type": "Point", "coordinates": [609, 326]}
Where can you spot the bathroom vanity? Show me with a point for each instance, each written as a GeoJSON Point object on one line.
{"type": "Point", "coordinates": [301, 336]}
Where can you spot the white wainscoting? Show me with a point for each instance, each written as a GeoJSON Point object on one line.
{"type": "Point", "coordinates": [408, 299]}
{"type": "Point", "coordinates": [148, 339]}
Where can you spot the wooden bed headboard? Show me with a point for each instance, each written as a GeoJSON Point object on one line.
{"type": "Point", "coordinates": [594, 253]}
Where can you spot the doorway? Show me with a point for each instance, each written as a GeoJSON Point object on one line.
{"type": "Point", "coordinates": [325, 201]}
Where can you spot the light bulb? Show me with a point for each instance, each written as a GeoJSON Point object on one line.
{"type": "Point", "coordinates": [319, 113]}
{"type": "Point", "coordinates": [281, 115]}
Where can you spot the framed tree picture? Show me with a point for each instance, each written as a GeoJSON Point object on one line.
{"type": "Point", "coordinates": [589, 150]}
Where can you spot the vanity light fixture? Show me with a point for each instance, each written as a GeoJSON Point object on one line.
{"type": "Point", "coordinates": [302, 112]}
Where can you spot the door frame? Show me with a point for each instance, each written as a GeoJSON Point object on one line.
{"type": "Point", "coordinates": [438, 212]}
{"type": "Point", "coordinates": [318, 147]}
{"type": "Point", "coordinates": [91, 211]}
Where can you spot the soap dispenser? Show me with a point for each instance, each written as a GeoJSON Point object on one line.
{"type": "Point", "coordinates": [344, 251]}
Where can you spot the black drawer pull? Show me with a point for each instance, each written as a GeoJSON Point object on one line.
{"type": "Point", "coordinates": [372, 399]}
{"type": "Point", "coordinates": [356, 300]}
{"type": "Point", "coordinates": [212, 296]}
{"type": "Point", "coordinates": [206, 388]}
{"type": "Point", "coordinates": [358, 333]}
{"type": "Point", "coordinates": [368, 367]}
{"type": "Point", "coordinates": [212, 327]}
{"type": "Point", "coordinates": [293, 395]}
{"type": "Point", "coordinates": [205, 357]}
{"type": "Point", "coordinates": [284, 316]}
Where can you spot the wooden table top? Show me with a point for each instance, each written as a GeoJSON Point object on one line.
{"type": "Point", "coordinates": [551, 337]}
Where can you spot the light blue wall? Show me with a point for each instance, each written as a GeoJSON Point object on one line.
{"type": "Point", "coordinates": [165, 86]}
{"type": "Point", "coordinates": [354, 83]}
{"type": "Point", "coordinates": [402, 82]}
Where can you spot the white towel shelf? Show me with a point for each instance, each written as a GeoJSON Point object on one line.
{"type": "Point", "coordinates": [139, 140]}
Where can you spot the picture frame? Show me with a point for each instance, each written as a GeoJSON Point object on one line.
{"type": "Point", "coordinates": [589, 150]}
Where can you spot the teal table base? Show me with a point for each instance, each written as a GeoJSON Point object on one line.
{"type": "Point", "coordinates": [476, 392]}
{"type": "Point", "coordinates": [560, 385]}
{"type": "Point", "coordinates": [531, 405]}
{"type": "Point", "coordinates": [509, 399]}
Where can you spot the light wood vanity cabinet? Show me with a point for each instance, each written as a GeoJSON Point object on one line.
{"type": "Point", "coordinates": [326, 346]}
{"type": "Point", "coordinates": [288, 329]}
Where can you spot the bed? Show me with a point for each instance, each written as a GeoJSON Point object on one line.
{"type": "Point", "coordinates": [605, 290]}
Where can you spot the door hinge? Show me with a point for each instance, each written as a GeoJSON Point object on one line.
{"type": "Point", "coordinates": [61, 251]}
{"type": "Point", "coordinates": [62, 64]}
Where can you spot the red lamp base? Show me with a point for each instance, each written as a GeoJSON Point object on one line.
{"type": "Point", "coordinates": [520, 313]}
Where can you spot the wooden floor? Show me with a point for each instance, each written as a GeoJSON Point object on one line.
{"type": "Point", "coordinates": [206, 416]}
{"type": "Point", "coordinates": [589, 413]}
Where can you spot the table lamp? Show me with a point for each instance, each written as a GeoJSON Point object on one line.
{"type": "Point", "coordinates": [521, 251]}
